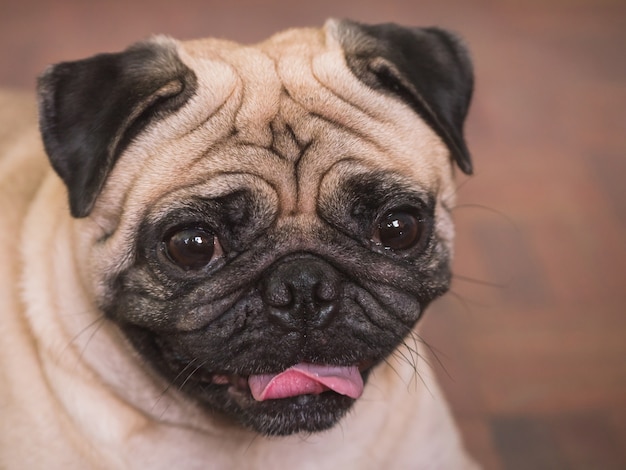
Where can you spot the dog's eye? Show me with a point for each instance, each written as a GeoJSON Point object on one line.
{"type": "Point", "coordinates": [192, 248]}
{"type": "Point", "coordinates": [398, 230]}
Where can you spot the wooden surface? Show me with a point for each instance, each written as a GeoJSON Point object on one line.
{"type": "Point", "coordinates": [533, 336]}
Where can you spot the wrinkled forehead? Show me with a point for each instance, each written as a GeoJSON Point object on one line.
{"type": "Point", "coordinates": [288, 113]}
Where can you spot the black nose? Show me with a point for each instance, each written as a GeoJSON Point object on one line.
{"type": "Point", "coordinates": [302, 293]}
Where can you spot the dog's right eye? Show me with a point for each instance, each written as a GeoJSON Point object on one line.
{"type": "Point", "coordinates": [192, 248]}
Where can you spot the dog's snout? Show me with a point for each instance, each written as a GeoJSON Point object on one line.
{"type": "Point", "coordinates": [301, 293]}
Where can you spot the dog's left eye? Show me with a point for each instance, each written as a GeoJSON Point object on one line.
{"type": "Point", "coordinates": [399, 230]}
{"type": "Point", "coordinates": [192, 248]}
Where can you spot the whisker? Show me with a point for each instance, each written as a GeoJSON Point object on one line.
{"type": "Point", "coordinates": [491, 210]}
{"type": "Point", "coordinates": [457, 190]}
{"type": "Point", "coordinates": [408, 358]}
{"type": "Point", "coordinates": [466, 303]}
{"type": "Point", "coordinates": [416, 373]}
{"type": "Point", "coordinates": [97, 323]}
{"type": "Point", "coordinates": [482, 282]}
{"type": "Point", "coordinates": [435, 353]}
{"type": "Point", "coordinates": [171, 383]}
{"type": "Point", "coordinates": [184, 369]}
{"type": "Point", "coordinates": [251, 443]}
{"type": "Point", "coordinates": [202, 364]}
{"type": "Point", "coordinates": [414, 358]}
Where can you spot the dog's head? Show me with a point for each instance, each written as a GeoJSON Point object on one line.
{"type": "Point", "coordinates": [270, 221]}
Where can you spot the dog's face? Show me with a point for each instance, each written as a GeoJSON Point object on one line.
{"type": "Point", "coordinates": [266, 224]}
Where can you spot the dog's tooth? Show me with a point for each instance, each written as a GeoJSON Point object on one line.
{"type": "Point", "coordinates": [221, 379]}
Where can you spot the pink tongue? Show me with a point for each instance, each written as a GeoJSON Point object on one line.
{"type": "Point", "coordinates": [307, 379]}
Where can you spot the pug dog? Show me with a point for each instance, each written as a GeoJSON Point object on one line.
{"type": "Point", "coordinates": [222, 260]}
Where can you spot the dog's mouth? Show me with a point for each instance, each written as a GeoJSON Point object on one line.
{"type": "Point", "coordinates": [300, 379]}
{"type": "Point", "coordinates": [304, 397]}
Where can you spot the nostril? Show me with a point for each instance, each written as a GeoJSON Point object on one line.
{"type": "Point", "coordinates": [278, 294]}
{"type": "Point", "coordinates": [325, 291]}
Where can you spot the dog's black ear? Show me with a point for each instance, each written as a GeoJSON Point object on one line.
{"type": "Point", "coordinates": [89, 110]}
{"type": "Point", "coordinates": [428, 68]}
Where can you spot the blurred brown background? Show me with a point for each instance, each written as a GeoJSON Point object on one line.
{"type": "Point", "coordinates": [532, 340]}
